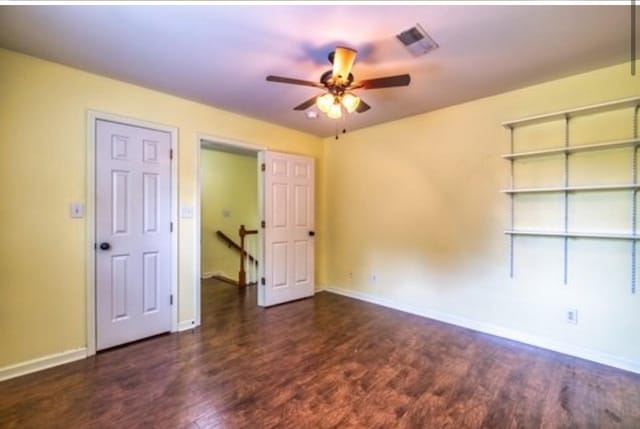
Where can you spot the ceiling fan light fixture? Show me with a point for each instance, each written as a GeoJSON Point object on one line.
{"type": "Point", "coordinates": [337, 101]}
{"type": "Point", "coordinates": [343, 60]}
{"type": "Point", "coordinates": [350, 102]}
{"type": "Point", "coordinates": [324, 102]}
{"type": "Point", "coordinates": [335, 111]}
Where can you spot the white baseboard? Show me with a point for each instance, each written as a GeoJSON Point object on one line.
{"type": "Point", "coordinates": [209, 274]}
{"type": "Point", "coordinates": [499, 331]}
{"type": "Point", "coordinates": [56, 359]}
{"type": "Point", "coordinates": [185, 325]}
{"type": "Point", "coordinates": [44, 362]}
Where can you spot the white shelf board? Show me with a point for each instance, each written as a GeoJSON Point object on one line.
{"type": "Point", "coordinates": [614, 144]}
{"type": "Point", "coordinates": [571, 189]}
{"type": "Point", "coordinates": [584, 110]}
{"type": "Point", "coordinates": [611, 236]}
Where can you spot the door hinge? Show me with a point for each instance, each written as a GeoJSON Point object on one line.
{"type": "Point", "coordinates": [170, 153]}
{"type": "Point", "coordinates": [263, 167]}
{"type": "Point", "coordinates": [171, 299]}
{"type": "Point", "coordinates": [263, 281]}
{"type": "Point", "coordinates": [170, 226]}
{"type": "Point", "coordinates": [263, 224]}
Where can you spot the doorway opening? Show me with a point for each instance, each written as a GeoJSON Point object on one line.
{"type": "Point", "coordinates": [283, 264]}
{"type": "Point", "coordinates": [230, 237]}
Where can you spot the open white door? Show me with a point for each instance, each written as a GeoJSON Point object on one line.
{"type": "Point", "coordinates": [289, 228]}
{"type": "Point", "coordinates": [133, 233]}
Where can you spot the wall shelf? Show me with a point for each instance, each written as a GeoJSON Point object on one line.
{"type": "Point", "coordinates": [614, 144]}
{"type": "Point", "coordinates": [569, 234]}
{"type": "Point", "coordinates": [622, 187]}
{"type": "Point", "coordinates": [572, 113]}
{"type": "Point", "coordinates": [632, 103]}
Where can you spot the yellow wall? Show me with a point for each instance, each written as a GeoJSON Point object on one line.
{"type": "Point", "coordinates": [42, 169]}
{"type": "Point", "coordinates": [229, 199]}
{"type": "Point", "coordinates": [416, 202]}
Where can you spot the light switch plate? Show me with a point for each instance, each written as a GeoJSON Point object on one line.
{"type": "Point", "coordinates": [76, 210]}
{"type": "Point", "coordinates": [186, 212]}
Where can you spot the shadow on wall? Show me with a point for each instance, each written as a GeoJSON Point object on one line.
{"type": "Point", "coordinates": [419, 198]}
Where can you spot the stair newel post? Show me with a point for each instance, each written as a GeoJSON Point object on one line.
{"type": "Point", "coordinates": [242, 275]}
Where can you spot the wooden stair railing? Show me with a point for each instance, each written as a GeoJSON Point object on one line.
{"type": "Point", "coordinates": [233, 245]}
{"type": "Point", "coordinates": [242, 275]}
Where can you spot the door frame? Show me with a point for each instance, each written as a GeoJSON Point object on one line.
{"type": "Point", "coordinates": [203, 140]}
{"type": "Point", "coordinates": [90, 214]}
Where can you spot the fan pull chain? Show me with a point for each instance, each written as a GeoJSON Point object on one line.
{"type": "Point", "coordinates": [344, 120]}
{"type": "Point", "coordinates": [344, 123]}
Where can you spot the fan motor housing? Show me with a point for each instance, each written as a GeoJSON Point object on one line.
{"type": "Point", "coordinates": [327, 80]}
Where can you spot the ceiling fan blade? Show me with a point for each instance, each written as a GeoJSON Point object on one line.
{"type": "Point", "coordinates": [343, 60]}
{"type": "Point", "coordinates": [305, 105]}
{"type": "Point", "coordinates": [362, 106]}
{"type": "Point", "coordinates": [384, 82]}
{"type": "Point", "coordinates": [289, 80]}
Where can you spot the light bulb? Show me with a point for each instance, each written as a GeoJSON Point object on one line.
{"type": "Point", "coordinates": [324, 102]}
{"type": "Point", "coordinates": [335, 111]}
{"type": "Point", "coordinates": [350, 102]}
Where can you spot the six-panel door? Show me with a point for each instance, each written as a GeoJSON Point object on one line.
{"type": "Point", "coordinates": [133, 215]}
{"type": "Point", "coordinates": [289, 227]}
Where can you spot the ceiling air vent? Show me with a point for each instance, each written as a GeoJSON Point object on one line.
{"type": "Point", "coordinates": [417, 41]}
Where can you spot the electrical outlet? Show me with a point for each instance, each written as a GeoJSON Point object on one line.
{"type": "Point", "coordinates": [571, 316]}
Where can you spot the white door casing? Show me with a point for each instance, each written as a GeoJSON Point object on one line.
{"type": "Point", "coordinates": [289, 227]}
{"type": "Point", "coordinates": [133, 216]}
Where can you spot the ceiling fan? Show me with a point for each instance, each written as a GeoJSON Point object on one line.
{"type": "Point", "coordinates": [339, 83]}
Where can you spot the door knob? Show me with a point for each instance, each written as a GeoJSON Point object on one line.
{"type": "Point", "coordinates": [105, 246]}
{"type": "Point", "coordinates": [312, 233]}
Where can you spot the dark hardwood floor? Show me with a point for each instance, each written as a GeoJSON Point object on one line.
{"type": "Point", "coordinates": [321, 363]}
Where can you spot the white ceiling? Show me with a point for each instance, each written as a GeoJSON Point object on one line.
{"type": "Point", "coordinates": [220, 55]}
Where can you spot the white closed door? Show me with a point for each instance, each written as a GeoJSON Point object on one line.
{"type": "Point", "coordinates": [133, 233]}
{"type": "Point", "coordinates": [289, 227]}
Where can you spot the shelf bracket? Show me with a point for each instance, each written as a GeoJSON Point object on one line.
{"type": "Point", "coordinates": [634, 202]}
{"type": "Point", "coordinates": [566, 200]}
{"type": "Point", "coordinates": [511, 198]}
